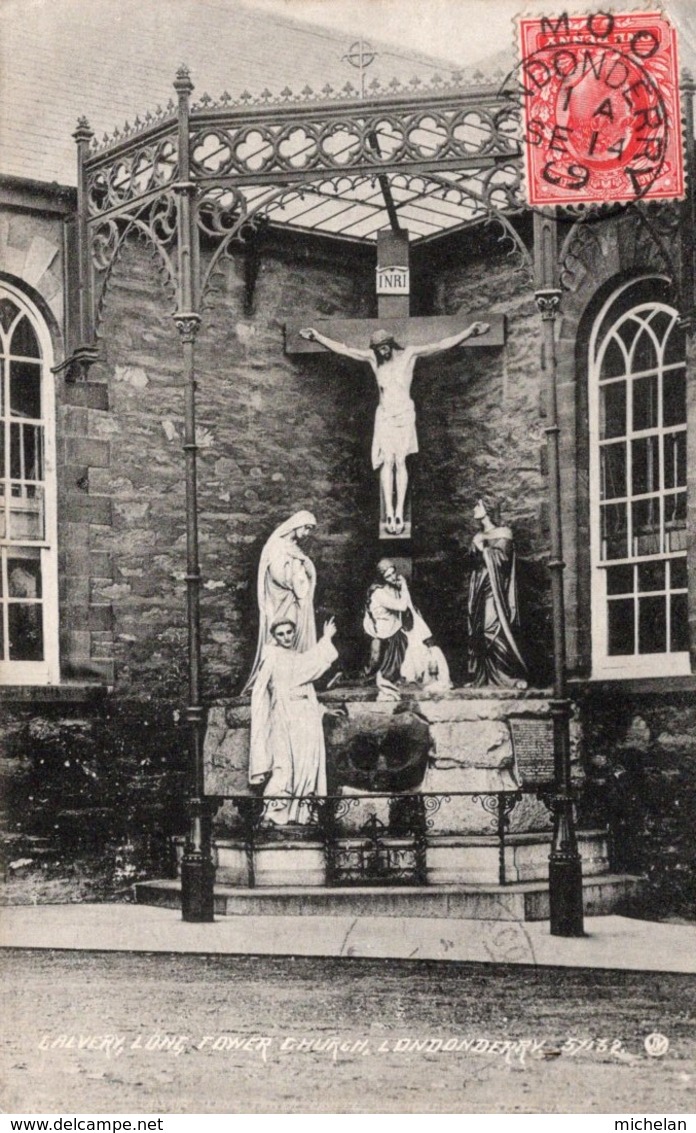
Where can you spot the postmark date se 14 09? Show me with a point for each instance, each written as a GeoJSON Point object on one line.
{"type": "Point", "coordinates": [600, 97]}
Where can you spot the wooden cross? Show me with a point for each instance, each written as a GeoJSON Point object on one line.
{"type": "Point", "coordinates": [393, 316]}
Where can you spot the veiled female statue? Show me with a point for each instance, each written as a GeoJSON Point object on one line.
{"type": "Point", "coordinates": [285, 587]}
{"type": "Point", "coordinates": [494, 656]}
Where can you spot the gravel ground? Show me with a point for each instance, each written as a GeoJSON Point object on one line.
{"type": "Point", "coordinates": [133, 1033]}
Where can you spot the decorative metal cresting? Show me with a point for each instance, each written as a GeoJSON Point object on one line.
{"type": "Point", "coordinates": [316, 164]}
{"type": "Point", "coordinates": [361, 55]}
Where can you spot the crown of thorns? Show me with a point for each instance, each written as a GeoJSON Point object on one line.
{"type": "Point", "coordinates": [382, 338]}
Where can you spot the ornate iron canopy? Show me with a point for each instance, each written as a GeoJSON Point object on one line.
{"type": "Point", "coordinates": [428, 159]}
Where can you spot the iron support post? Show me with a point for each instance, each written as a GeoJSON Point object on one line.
{"type": "Point", "coordinates": [197, 869]}
{"type": "Point", "coordinates": [688, 207]}
{"type": "Point", "coordinates": [565, 870]}
{"type": "Point", "coordinates": [688, 324]}
{"type": "Point", "coordinates": [81, 336]}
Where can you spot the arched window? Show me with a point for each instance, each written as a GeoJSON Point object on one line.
{"type": "Point", "coordinates": [28, 575]}
{"type": "Point", "coordinates": [637, 403]}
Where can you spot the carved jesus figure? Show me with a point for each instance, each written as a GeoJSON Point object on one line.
{"type": "Point", "coordinates": [395, 420]}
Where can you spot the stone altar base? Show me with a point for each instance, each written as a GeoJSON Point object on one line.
{"type": "Point", "coordinates": [475, 741]}
{"type": "Point", "coordinates": [449, 859]}
{"type": "Point", "coordinates": [437, 809]}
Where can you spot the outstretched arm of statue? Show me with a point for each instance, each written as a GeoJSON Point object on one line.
{"type": "Point", "coordinates": [332, 344]}
{"type": "Point", "coordinates": [472, 331]}
{"type": "Point", "coordinates": [496, 534]}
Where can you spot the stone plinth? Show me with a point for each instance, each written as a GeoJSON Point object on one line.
{"type": "Point", "coordinates": [450, 860]}
{"type": "Point", "coordinates": [468, 860]}
{"type": "Point", "coordinates": [519, 901]}
{"type": "Point", "coordinates": [226, 750]}
{"type": "Point", "coordinates": [462, 745]}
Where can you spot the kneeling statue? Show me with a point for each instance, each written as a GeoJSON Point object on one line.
{"type": "Point", "coordinates": [403, 649]}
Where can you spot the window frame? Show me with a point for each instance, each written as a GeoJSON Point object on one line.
{"type": "Point", "coordinates": [604, 665]}
{"type": "Point", "coordinates": [46, 672]}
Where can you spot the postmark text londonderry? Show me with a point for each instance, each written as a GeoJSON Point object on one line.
{"type": "Point", "coordinates": [601, 109]}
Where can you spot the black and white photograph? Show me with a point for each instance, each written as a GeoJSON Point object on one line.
{"type": "Point", "coordinates": [348, 560]}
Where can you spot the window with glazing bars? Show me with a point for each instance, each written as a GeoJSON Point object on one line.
{"type": "Point", "coordinates": [640, 485]}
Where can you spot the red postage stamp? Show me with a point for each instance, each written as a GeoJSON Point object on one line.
{"type": "Point", "coordinates": [601, 108]}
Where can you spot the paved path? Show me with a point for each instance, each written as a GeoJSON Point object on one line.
{"type": "Point", "coordinates": [611, 942]}
{"type": "Point", "coordinates": [137, 1032]}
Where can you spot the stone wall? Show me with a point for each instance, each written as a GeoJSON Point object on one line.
{"type": "Point", "coordinates": [31, 252]}
{"type": "Point", "coordinates": [36, 245]}
{"type": "Point", "coordinates": [642, 768]}
{"type": "Point", "coordinates": [92, 793]}
{"type": "Point", "coordinates": [481, 434]}
{"type": "Point", "coordinates": [278, 433]}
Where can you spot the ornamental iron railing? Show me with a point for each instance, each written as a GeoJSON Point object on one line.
{"type": "Point", "coordinates": [387, 848]}
{"type": "Point", "coordinates": [450, 154]}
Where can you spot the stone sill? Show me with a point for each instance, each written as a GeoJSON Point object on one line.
{"type": "Point", "coordinates": [275, 839]}
{"type": "Point", "coordinates": [633, 685]}
{"type": "Point", "coordinates": [27, 194]}
{"type": "Point", "coordinates": [368, 694]}
{"type": "Point", "coordinates": [76, 692]}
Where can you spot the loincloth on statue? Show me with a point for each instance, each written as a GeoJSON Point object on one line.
{"type": "Point", "coordinates": [395, 435]}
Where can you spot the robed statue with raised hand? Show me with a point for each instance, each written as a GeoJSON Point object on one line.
{"type": "Point", "coordinates": [287, 752]}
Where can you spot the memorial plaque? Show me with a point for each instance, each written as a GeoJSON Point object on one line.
{"type": "Point", "coordinates": [532, 744]}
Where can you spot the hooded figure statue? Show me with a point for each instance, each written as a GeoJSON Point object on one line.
{"type": "Point", "coordinates": [285, 587]}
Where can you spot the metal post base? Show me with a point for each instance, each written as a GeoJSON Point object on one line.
{"type": "Point", "coordinates": [565, 896]}
{"type": "Point", "coordinates": [197, 879]}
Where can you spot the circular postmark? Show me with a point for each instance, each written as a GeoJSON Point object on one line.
{"type": "Point", "coordinates": [601, 109]}
{"type": "Point", "coordinates": [656, 1044]}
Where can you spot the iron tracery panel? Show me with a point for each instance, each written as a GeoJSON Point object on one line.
{"type": "Point", "coordinates": [313, 163]}
{"type": "Point", "coordinates": [316, 163]}
{"type": "Point", "coordinates": [259, 145]}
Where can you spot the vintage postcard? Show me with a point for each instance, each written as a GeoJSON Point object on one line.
{"type": "Point", "coordinates": [347, 559]}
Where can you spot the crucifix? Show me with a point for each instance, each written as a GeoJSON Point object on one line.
{"type": "Point", "coordinates": [392, 344]}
